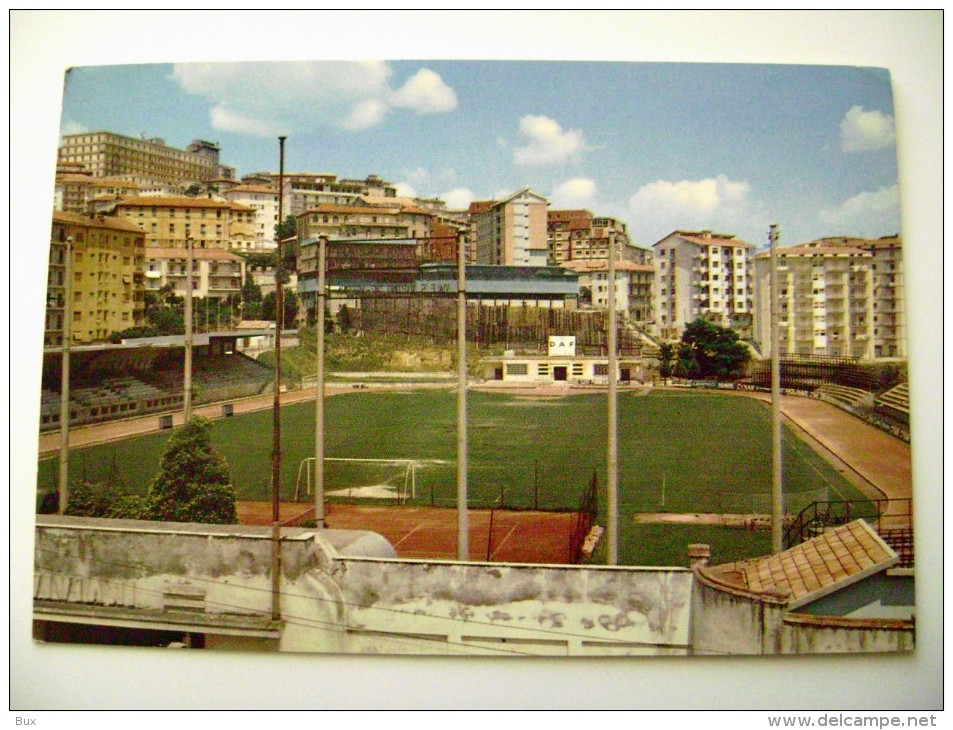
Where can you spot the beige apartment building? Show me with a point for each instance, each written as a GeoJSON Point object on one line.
{"type": "Point", "coordinates": [838, 296]}
{"type": "Point", "coordinates": [701, 274]}
{"type": "Point", "coordinates": [103, 154]}
{"type": "Point", "coordinates": [578, 235]}
{"type": "Point", "coordinates": [633, 287]}
{"type": "Point", "coordinates": [510, 232]}
{"type": "Point", "coordinates": [263, 200]}
{"type": "Point", "coordinates": [78, 193]}
{"type": "Point", "coordinates": [216, 274]}
{"type": "Point", "coordinates": [108, 290]}
{"type": "Point", "coordinates": [168, 222]}
{"type": "Point", "coordinates": [366, 221]}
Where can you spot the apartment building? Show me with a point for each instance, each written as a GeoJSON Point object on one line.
{"type": "Point", "coordinates": [825, 300]}
{"type": "Point", "coordinates": [838, 296]}
{"type": "Point", "coordinates": [367, 221]}
{"type": "Point", "coordinates": [169, 221]}
{"type": "Point", "coordinates": [306, 190]}
{"type": "Point", "coordinates": [105, 153]}
{"type": "Point", "coordinates": [701, 274]}
{"type": "Point", "coordinates": [216, 274]}
{"type": "Point", "coordinates": [263, 200]}
{"type": "Point", "coordinates": [510, 232]}
{"type": "Point", "coordinates": [108, 290]}
{"type": "Point", "coordinates": [633, 287]}
{"type": "Point", "coordinates": [889, 311]}
{"type": "Point", "coordinates": [78, 193]}
{"type": "Point", "coordinates": [578, 235]}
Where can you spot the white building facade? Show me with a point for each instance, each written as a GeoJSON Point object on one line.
{"type": "Point", "coordinates": [700, 274]}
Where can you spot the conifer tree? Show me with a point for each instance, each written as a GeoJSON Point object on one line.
{"type": "Point", "coordinates": [193, 483]}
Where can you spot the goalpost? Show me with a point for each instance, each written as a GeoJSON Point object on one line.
{"type": "Point", "coordinates": [366, 478]}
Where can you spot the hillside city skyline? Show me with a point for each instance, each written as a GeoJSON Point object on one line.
{"type": "Point", "coordinates": [816, 154]}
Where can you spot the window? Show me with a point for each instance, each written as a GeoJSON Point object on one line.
{"type": "Point", "coordinates": [542, 369]}
{"type": "Point", "coordinates": [517, 368]}
{"type": "Point", "coordinates": [600, 369]}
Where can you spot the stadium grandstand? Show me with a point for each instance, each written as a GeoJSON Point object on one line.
{"type": "Point", "coordinates": [845, 382]}
{"type": "Point", "coordinates": [145, 376]}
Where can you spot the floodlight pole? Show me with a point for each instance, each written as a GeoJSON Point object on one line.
{"type": "Point", "coordinates": [276, 408]}
{"type": "Point", "coordinates": [64, 375]}
{"type": "Point", "coordinates": [777, 483]}
{"type": "Point", "coordinates": [320, 303]}
{"type": "Point", "coordinates": [612, 456]}
{"type": "Point", "coordinates": [187, 380]}
{"type": "Point", "coordinates": [463, 527]}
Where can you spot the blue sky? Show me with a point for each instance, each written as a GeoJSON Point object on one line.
{"type": "Point", "coordinates": [731, 147]}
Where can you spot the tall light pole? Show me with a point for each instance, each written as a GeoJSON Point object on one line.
{"type": "Point", "coordinates": [64, 375]}
{"type": "Point", "coordinates": [187, 382]}
{"type": "Point", "coordinates": [612, 456]}
{"type": "Point", "coordinates": [320, 300]}
{"type": "Point", "coordinates": [463, 522]}
{"type": "Point", "coordinates": [276, 408]}
{"type": "Point", "coordinates": [777, 483]}
{"type": "Point", "coordinates": [279, 296]}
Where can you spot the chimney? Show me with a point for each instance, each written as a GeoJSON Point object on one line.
{"type": "Point", "coordinates": [706, 234]}
{"type": "Point", "coordinates": [698, 554]}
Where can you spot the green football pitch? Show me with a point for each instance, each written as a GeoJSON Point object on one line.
{"type": "Point", "coordinates": [678, 452]}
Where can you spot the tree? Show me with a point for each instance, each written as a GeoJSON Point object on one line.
{"type": "Point", "coordinates": [290, 312]}
{"type": "Point", "coordinates": [288, 228]}
{"type": "Point", "coordinates": [717, 352]}
{"type": "Point", "coordinates": [666, 356]}
{"type": "Point", "coordinates": [251, 298]}
{"type": "Point", "coordinates": [193, 483]}
{"type": "Point", "coordinates": [87, 499]}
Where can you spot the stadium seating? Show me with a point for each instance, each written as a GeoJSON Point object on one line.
{"type": "Point", "coordinates": [845, 396]}
{"type": "Point", "coordinates": [896, 399]}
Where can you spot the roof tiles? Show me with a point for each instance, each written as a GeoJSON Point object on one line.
{"type": "Point", "coordinates": [833, 560]}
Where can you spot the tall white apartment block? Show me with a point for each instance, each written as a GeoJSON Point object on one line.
{"type": "Point", "coordinates": [700, 274]}
{"type": "Point", "coordinates": [838, 296]}
{"type": "Point", "coordinates": [510, 232]}
{"type": "Point", "coordinates": [825, 300]}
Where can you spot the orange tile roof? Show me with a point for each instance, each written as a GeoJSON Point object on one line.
{"type": "Point", "coordinates": [98, 221]}
{"type": "Point", "coordinates": [565, 215]}
{"type": "Point", "coordinates": [581, 266]}
{"type": "Point", "coordinates": [480, 206]}
{"type": "Point", "coordinates": [714, 239]}
{"type": "Point", "coordinates": [181, 201]}
{"type": "Point", "coordinates": [829, 562]}
{"type": "Point", "coordinates": [217, 254]}
{"type": "Point", "coordinates": [253, 189]}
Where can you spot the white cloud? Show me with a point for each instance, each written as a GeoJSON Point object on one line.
{"type": "Point", "coordinates": [405, 190]}
{"type": "Point", "coordinates": [717, 203]}
{"type": "Point", "coordinates": [580, 192]}
{"type": "Point", "coordinates": [425, 93]}
{"type": "Point", "coordinates": [863, 131]}
{"type": "Point", "coordinates": [227, 121]}
{"type": "Point", "coordinates": [458, 198]}
{"type": "Point", "coordinates": [72, 127]}
{"type": "Point", "coordinates": [547, 142]}
{"type": "Point", "coordinates": [265, 98]}
{"type": "Point", "coordinates": [868, 214]}
{"type": "Point", "coordinates": [366, 114]}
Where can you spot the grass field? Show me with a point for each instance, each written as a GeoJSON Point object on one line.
{"type": "Point", "coordinates": [678, 452]}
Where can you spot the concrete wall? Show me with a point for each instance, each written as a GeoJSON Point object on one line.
{"type": "Point", "coordinates": [339, 595]}
{"type": "Point", "coordinates": [500, 609]}
{"type": "Point", "coordinates": [735, 622]}
{"type": "Point", "coordinates": [335, 602]}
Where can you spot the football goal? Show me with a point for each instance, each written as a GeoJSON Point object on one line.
{"type": "Point", "coordinates": [393, 479]}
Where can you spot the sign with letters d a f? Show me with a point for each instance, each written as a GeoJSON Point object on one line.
{"type": "Point", "coordinates": [562, 346]}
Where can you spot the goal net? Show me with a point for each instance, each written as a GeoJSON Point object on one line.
{"type": "Point", "coordinates": [393, 479]}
